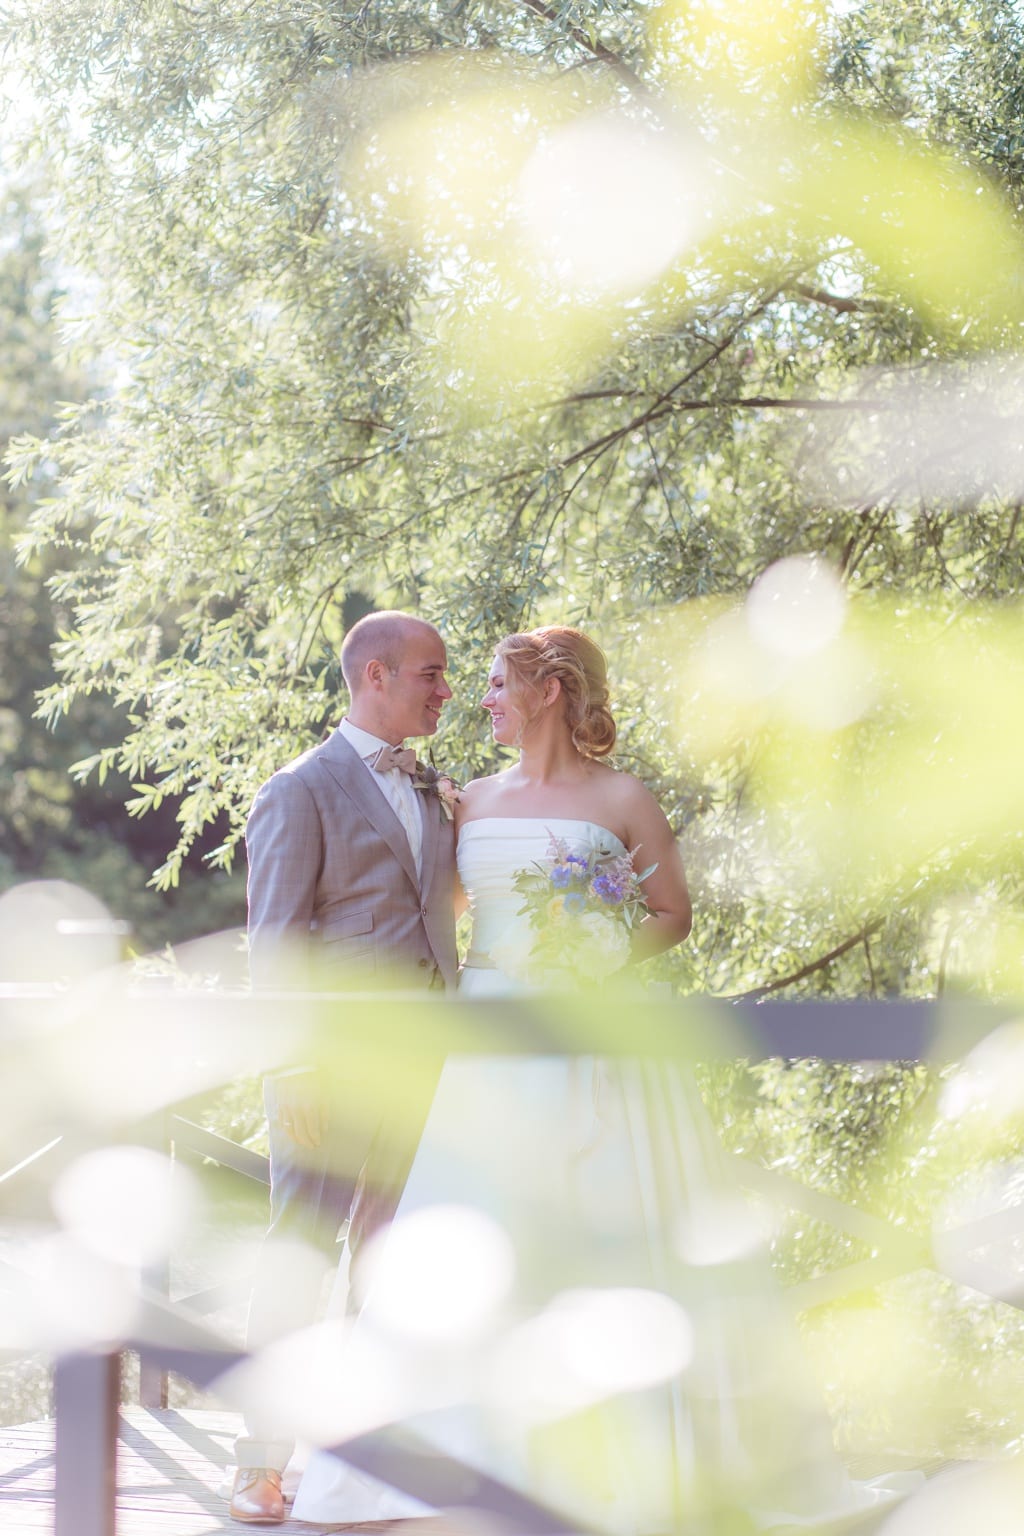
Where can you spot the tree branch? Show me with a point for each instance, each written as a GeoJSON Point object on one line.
{"type": "Point", "coordinates": [783, 403]}
{"type": "Point", "coordinates": [947, 943]}
{"type": "Point", "coordinates": [666, 401]}
{"type": "Point", "coordinates": [597, 49]}
{"type": "Point", "coordinates": [836, 301]}
{"type": "Point", "coordinates": [672, 407]}
{"type": "Point", "coordinates": [861, 937]}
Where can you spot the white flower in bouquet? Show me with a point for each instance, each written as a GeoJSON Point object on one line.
{"type": "Point", "coordinates": [513, 952]}
{"type": "Point", "coordinates": [600, 945]}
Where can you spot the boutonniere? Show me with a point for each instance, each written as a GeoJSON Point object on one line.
{"type": "Point", "coordinates": [440, 784]}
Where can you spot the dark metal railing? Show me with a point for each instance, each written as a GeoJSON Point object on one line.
{"type": "Point", "coordinates": [86, 1383]}
{"type": "Point", "coordinates": [183, 1136]}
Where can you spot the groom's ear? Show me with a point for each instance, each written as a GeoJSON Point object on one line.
{"type": "Point", "coordinates": [374, 672]}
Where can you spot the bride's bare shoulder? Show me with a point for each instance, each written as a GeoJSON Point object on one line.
{"type": "Point", "coordinates": [486, 785]}
{"type": "Point", "coordinates": [615, 781]}
{"type": "Point", "coordinates": [624, 790]}
{"type": "Point", "coordinates": [475, 796]}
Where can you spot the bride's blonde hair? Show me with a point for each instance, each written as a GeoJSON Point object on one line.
{"type": "Point", "coordinates": [555, 650]}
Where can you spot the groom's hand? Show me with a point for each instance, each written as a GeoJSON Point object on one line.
{"type": "Point", "coordinates": [301, 1111]}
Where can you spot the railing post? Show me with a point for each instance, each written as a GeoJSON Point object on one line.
{"type": "Point", "coordinates": [85, 1396]}
{"type": "Point", "coordinates": [152, 1380]}
{"type": "Point", "coordinates": [157, 1277]}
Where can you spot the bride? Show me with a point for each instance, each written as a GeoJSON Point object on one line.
{"type": "Point", "coordinates": [630, 1367]}
{"type": "Point", "coordinates": [547, 695]}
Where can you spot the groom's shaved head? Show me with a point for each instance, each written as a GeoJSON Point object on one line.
{"type": "Point", "coordinates": [378, 637]}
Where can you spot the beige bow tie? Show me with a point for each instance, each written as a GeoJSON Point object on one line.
{"type": "Point", "coordinates": [403, 758]}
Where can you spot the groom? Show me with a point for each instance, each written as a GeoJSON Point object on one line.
{"type": "Point", "coordinates": [351, 861]}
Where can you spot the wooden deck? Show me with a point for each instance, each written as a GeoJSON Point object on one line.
{"type": "Point", "coordinates": [173, 1466]}
{"type": "Point", "coordinates": [170, 1474]}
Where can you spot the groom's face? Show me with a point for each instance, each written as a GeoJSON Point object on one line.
{"type": "Point", "coordinates": [415, 693]}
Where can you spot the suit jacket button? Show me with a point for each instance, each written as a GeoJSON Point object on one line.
{"type": "Point", "coordinates": [423, 962]}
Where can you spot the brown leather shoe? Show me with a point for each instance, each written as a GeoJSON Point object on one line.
{"type": "Point", "coordinates": [256, 1496]}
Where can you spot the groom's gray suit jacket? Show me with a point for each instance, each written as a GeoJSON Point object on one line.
{"type": "Point", "coordinates": [332, 879]}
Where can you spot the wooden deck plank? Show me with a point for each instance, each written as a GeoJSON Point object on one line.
{"type": "Point", "coordinates": [170, 1475]}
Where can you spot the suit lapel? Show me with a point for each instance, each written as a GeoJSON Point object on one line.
{"type": "Point", "coordinates": [430, 813]}
{"type": "Point", "coordinates": [349, 772]}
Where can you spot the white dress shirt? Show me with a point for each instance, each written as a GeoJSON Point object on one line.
{"type": "Point", "coordinates": [395, 786]}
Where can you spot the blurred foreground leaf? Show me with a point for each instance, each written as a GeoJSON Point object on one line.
{"type": "Point", "coordinates": [877, 735]}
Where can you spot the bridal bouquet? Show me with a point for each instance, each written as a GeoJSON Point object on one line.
{"type": "Point", "coordinates": [579, 910]}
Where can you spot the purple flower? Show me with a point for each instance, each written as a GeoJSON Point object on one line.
{"type": "Point", "coordinates": [561, 875]}
{"type": "Point", "coordinates": [575, 902]}
{"type": "Point", "coordinates": [609, 890]}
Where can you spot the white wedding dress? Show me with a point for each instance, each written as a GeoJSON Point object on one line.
{"type": "Point", "coordinates": [633, 1367]}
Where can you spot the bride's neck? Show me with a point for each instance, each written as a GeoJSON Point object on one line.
{"type": "Point", "coordinates": [549, 759]}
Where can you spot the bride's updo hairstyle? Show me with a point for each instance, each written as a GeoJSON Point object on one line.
{"type": "Point", "coordinates": [534, 657]}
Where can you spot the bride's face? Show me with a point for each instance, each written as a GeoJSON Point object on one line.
{"type": "Point", "coordinates": [504, 705]}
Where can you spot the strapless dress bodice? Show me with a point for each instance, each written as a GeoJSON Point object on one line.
{"type": "Point", "coordinates": [493, 849]}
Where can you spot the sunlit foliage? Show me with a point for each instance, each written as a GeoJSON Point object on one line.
{"type": "Point", "coordinates": [329, 260]}
{"type": "Point", "coordinates": [51, 826]}
{"type": "Point", "coordinates": [288, 325]}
